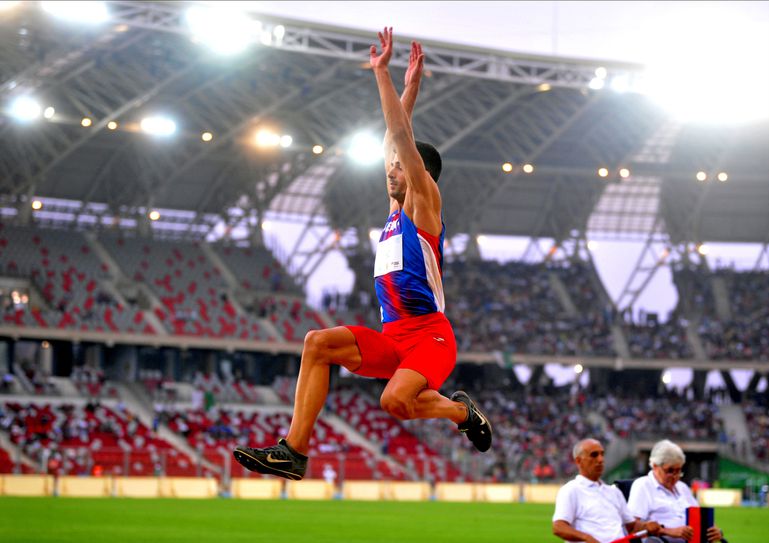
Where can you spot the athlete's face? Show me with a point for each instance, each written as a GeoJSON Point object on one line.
{"type": "Point", "coordinates": [396, 180]}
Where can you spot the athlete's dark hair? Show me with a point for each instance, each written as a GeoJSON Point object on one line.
{"type": "Point", "coordinates": [432, 159]}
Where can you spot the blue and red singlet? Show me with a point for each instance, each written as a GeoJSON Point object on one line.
{"type": "Point", "coordinates": [408, 271]}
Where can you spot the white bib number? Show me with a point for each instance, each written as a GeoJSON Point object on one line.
{"type": "Point", "coordinates": [389, 256]}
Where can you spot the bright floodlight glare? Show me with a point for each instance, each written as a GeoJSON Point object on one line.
{"type": "Point", "coordinates": [592, 245]}
{"type": "Point", "coordinates": [666, 377]}
{"type": "Point", "coordinates": [226, 30]}
{"type": "Point", "coordinates": [723, 177]}
{"type": "Point", "coordinates": [279, 32]}
{"type": "Point", "coordinates": [601, 72]}
{"type": "Point", "coordinates": [624, 173]}
{"type": "Point", "coordinates": [112, 125]}
{"type": "Point", "coordinates": [317, 149]}
{"type": "Point", "coordinates": [286, 140]}
{"type": "Point", "coordinates": [49, 112]}
{"type": "Point", "coordinates": [267, 138]}
{"type": "Point", "coordinates": [37, 204]}
{"type": "Point", "coordinates": [158, 126]}
{"type": "Point", "coordinates": [709, 65]}
{"type": "Point", "coordinates": [597, 83]}
{"type": "Point", "coordinates": [206, 136]}
{"type": "Point", "coordinates": [528, 168]}
{"type": "Point", "coordinates": [603, 172]}
{"type": "Point", "coordinates": [578, 368]}
{"type": "Point", "coordinates": [620, 83]}
{"type": "Point", "coordinates": [25, 108]}
{"type": "Point", "coordinates": [8, 5]}
{"type": "Point", "coordinates": [703, 249]}
{"type": "Point", "coordinates": [507, 167]}
{"type": "Point", "coordinates": [544, 87]}
{"type": "Point", "coordinates": [85, 122]}
{"type": "Point", "coordinates": [701, 176]}
{"type": "Point", "coordinates": [374, 235]}
{"type": "Point", "coordinates": [81, 12]}
{"type": "Point", "coordinates": [481, 239]}
{"type": "Point", "coordinates": [154, 215]}
{"type": "Point", "coordinates": [365, 148]}
{"type": "Point", "coordinates": [266, 225]}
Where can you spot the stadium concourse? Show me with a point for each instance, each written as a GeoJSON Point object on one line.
{"type": "Point", "coordinates": [151, 321]}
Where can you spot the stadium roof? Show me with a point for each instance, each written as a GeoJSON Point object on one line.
{"type": "Point", "coordinates": [480, 107]}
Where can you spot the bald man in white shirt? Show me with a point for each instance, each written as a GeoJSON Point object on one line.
{"type": "Point", "coordinates": [589, 510]}
{"type": "Point", "coordinates": [662, 496]}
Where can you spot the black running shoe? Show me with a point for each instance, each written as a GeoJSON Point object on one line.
{"type": "Point", "coordinates": [477, 427]}
{"type": "Point", "coordinates": [280, 460]}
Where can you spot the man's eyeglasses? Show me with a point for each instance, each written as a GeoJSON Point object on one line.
{"type": "Point", "coordinates": [672, 471]}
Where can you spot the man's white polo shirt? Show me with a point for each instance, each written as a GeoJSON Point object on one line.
{"type": "Point", "coordinates": [593, 507]}
{"type": "Point", "coordinates": [649, 500]}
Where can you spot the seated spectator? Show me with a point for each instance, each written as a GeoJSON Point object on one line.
{"type": "Point", "coordinates": [661, 496]}
{"type": "Point", "coordinates": [589, 510]}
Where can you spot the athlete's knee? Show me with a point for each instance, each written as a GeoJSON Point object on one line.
{"type": "Point", "coordinates": [316, 347]}
{"type": "Point", "coordinates": [396, 406]}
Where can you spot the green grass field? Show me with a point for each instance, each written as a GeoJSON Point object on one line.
{"type": "Point", "coordinates": [76, 520]}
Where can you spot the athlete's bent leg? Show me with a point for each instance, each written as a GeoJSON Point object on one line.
{"type": "Point", "coordinates": [321, 349]}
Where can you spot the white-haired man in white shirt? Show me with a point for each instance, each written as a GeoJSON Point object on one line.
{"type": "Point", "coordinates": [589, 510]}
{"type": "Point", "coordinates": [662, 496]}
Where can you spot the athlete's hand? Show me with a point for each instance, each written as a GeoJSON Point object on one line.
{"type": "Point", "coordinates": [416, 61]}
{"type": "Point", "coordinates": [386, 41]}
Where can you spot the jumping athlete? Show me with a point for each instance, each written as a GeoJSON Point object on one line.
{"type": "Point", "coordinates": [416, 350]}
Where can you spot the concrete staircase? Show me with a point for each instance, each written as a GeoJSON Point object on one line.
{"type": "Point", "coordinates": [563, 294]}
{"type": "Point", "coordinates": [138, 401]}
{"type": "Point", "coordinates": [721, 297]}
{"type": "Point", "coordinates": [734, 420]}
{"type": "Point", "coordinates": [15, 453]}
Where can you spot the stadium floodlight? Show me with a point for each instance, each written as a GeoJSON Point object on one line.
{"type": "Point", "coordinates": [112, 125]}
{"type": "Point", "coordinates": [666, 377]}
{"type": "Point", "coordinates": [85, 122]}
{"type": "Point", "coordinates": [703, 249]}
{"type": "Point", "coordinates": [266, 225]}
{"type": "Point", "coordinates": [528, 168]}
{"type": "Point", "coordinates": [481, 240]}
{"type": "Point", "coordinates": [25, 108]}
{"type": "Point", "coordinates": [286, 141]}
{"type": "Point", "coordinates": [620, 83]}
{"type": "Point", "coordinates": [702, 176]}
{"type": "Point", "coordinates": [592, 245]}
{"type": "Point", "coordinates": [81, 12]}
{"type": "Point", "coordinates": [49, 112]}
{"type": "Point", "coordinates": [597, 83]}
{"type": "Point", "coordinates": [603, 172]}
{"type": "Point", "coordinates": [543, 87]}
{"type": "Point", "coordinates": [158, 126]}
{"type": "Point", "coordinates": [624, 173]}
{"type": "Point", "coordinates": [578, 369]}
{"type": "Point", "coordinates": [723, 177]}
{"type": "Point", "coordinates": [601, 72]}
{"type": "Point", "coordinates": [225, 29]}
{"type": "Point", "coordinates": [206, 136]}
{"type": "Point", "coordinates": [317, 149]}
{"type": "Point", "coordinates": [37, 205]}
{"type": "Point", "coordinates": [365, 148]}
{"type": "Point", "coordinates": [507, 167]}
{"type": "Point", "coordinates": [267, 138]}
{"type": "Point", "coordinates": [709, 65]}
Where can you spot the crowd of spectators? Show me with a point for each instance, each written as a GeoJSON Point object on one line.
{"type": "Point", "coordinates": [746, 335]}
{"type": "Point", "coordinates": [757, 419]}
{"type": "Point", "coordinates": [513, 307]}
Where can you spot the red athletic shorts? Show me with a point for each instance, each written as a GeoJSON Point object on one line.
{"type": "Point", "coordinates": [424, 344]}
